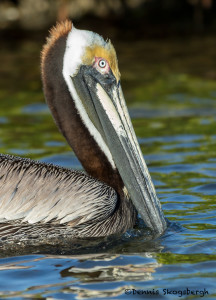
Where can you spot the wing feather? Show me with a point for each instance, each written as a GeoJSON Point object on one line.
{"type": "Point", "coordinates": [36, 192]}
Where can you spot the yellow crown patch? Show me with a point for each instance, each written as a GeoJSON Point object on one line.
{"type": "Point", "coordinates": [107, 52]}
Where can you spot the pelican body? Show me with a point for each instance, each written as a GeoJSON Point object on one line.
{"type": "Point", "coordinates": [81, 83]}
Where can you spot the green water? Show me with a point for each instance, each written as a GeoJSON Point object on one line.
{"type": "Point", "coordinates": [170, 88]}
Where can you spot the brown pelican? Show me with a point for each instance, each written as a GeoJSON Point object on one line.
{"type": "Point", "coordinates": [81, 83]}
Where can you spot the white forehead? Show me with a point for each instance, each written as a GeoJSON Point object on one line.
{"type": "Point", "coordinates": [76, 44]}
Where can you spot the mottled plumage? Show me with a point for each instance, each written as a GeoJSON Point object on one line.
{"type": "Point", "coordinates": [34, 192]}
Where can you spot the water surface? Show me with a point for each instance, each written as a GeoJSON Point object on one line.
{"type": "Point", "coordinates": [171, 94]}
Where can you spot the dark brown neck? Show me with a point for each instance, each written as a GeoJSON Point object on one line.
{"type": "Point", "coordinates": [69, 121]}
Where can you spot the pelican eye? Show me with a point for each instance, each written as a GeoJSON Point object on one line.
{"type": "Point", "coordinates": [102, 63]}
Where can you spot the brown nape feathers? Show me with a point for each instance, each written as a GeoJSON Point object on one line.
{"type": "Point", "coordinates": [61, 29]}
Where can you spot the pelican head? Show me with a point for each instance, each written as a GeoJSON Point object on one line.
{"type": "Point", "coordinates": [82, 87]}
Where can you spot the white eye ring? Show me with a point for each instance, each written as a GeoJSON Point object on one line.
{"type": "Point", "coordinates": [102, 63]}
